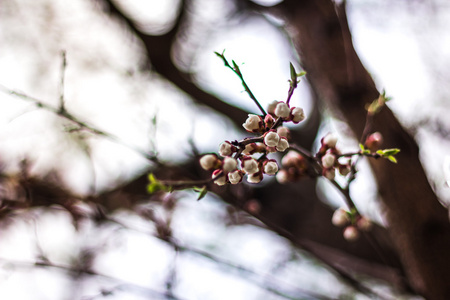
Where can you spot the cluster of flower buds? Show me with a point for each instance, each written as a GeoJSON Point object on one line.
{"type": "Point", "coordinates": [352, 226]}
{"type": "Point", "coordinates": [237, 158]}
{"type": "Point", "coordinates": [328, 156]}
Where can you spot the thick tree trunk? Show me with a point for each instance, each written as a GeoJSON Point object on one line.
{"type": "Point", "coordinates": [417, 223]}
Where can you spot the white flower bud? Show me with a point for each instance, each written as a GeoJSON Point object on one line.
{"type": "Point", "coordinates": [282, 144]}
{"type": "Point", "coordinates": [351, 233]}
{"type": "Point", "coordinates": [235, 177]}
{"type": "Point", "coordinates": [208, 161]}
{"type": "Point", "coordinates": [283, 132]}
{"type": "Point", "coordinates": [330, 140]}
{"type": "Point", "coordinates": [255, 178]}
{"type": "Point", "coordinates": [271, 139]}
{"type": "Point", "coordinates": [226, 149]}
{"type": "Point", "coordinates": [270, 167]}
{"type": "Point", "coordinates": [282, 110]}
{"type": "Point", "coordinates": [272, 106]}
{"type": "Point", "coordinates": [328, 160]}
{"type": "Point", "coordinates": [250, 165]}
{"type": "Point", "coordinates": [340, 218]}
{"type": "Point", "coordinates": [298, 114]}
{"type": "Point", "coordinates": [229, 164]}
{"type": "Point", "coordinates": [253, 123]}
{"type": "Point", "coordinates": [222, 180]}
{"type": "Point", "coordinates": [282, 176]}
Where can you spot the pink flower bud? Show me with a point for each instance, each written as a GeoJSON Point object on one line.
{"type": "Point", "coordinates": [282, 144]}
{"type": "Point", "coordinates": [209, 162]}
{"type": "Point", "coordinates": [229, 164]}
{"type": "Point", "coordinates": [344, 169]}
{"type": "Point", "coordinates": [297, 115]}
{"type": "Point", "coordinates": [340, 218]}
{"type": "Point", "coordinates": [270, 167]}
{"type": "Point", "coordinates": [282, 110]}
{"type": "Point", "coordinates": [328, 160]}
{"type": "Point", "coordinates": [249, 165]}
{"type": "Point", "coordinates": [364, 224]}
{"type": "Point", "coordinates": [329, 140]}
{"type": "Point", "coordinates": [282, 177]}
{"type": "Point", "coordinates": [269, 121]}
{"type": "Point", "coordinates": [235, 177]}
{"type": "Point", "coordinates": [222, 180]}
{"type": "Point", "coordinates": [374, 141]}
{"type": "Point", "coordinates": [284, 132]}
{"type": "Point", "coordinates": [255, 178]}
{"type": "Point", "coordinates": [271, 138]}
{"type": "Point", "coordinates": [329, 173]}
{"type": "Point", "coordinates": [254, 123]}
{"type": "Point", "coordinates": [351, 233]}
{"type": "Point", "coordinates": [226, 149]}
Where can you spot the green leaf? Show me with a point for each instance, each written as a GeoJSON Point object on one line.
{"type": "Point", "coordinates": [155, 185]}
{"type": "Point", "coordinates": [202, 192]}
{"type": "Point", "coordinates": [293, 73]}
{"type": "Point", "coordinates": [392, 159]}
{"type": "Point", "coordinates": [302, 73]}
{"type": "Point", "coordinates": [361, 146]}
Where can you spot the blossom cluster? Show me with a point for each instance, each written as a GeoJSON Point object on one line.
{"type": "Point", "coordinates": [352, 225]}
{"type": "Point", "coordinates": [249, 156]}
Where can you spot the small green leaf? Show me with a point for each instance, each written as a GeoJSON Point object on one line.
{"type": "Point", "coordinates": [202, 192]}
{"type": "Point", "coordinates": [293, 73]}
{"type": "Point", "coordinates": [155, 185]}
{"type": "Point", "coordinates": [361, 146]}
{"type": "Point", "coordinates": [236, 67]}
{"type": "Point", "coordinates": [392, 159]}
{"type": "Point", "coordinates": [302, 73]}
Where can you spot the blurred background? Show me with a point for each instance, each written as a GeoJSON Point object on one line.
{"type": "Point", "coordinates": [140, 77]}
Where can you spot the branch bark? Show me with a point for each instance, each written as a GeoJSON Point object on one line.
{"type": "Point", "coordinates": [418, 224]}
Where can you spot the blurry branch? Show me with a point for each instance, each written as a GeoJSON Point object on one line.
{"type": "Point", "coordinates": [63, 73]}
{"type": "Point", "coordinates": [249, 275]}
{"type": "Point", "coordinates": [85, 272]}
{"type": "Point", "coordinates": [159, 49]}
{"type": "Point", "coordinates": [63, 113]}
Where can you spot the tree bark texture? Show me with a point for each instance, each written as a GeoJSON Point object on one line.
{"type": "Point", "coordinates": [417, 223]}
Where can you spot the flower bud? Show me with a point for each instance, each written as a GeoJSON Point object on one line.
{"type": "Point", "coordinates": [253, 148]}
{"type": "Point", "coordinates": [254, 123]}
{"type": "Point", "coordinates": [235, 177]}
{"type": "Point", "coordinates": [222, 180]}
{"type": "Point", "coordinates": [282, 144]}
{"type": "Point", "coordinates": [364, 224]}
{"type": "Point", "coordinates": [226, 149]}
{"type": "Point", "coordinates": [329, 140]}
{"type": "Point", "coordinates": [271, 107]}
{"type": "Point", "coordinates": [209, 162]}
{"type": "Point", "coordinates": [284, 132]}
{"type": "Point", "coordinates": [282, 110]}
{"type": "Point", "coordinates": [344, 169]}
{"type": "Point", "coordinates": [271, 138]}
{"type": "Point", "coordinates": [282, 177]}
{"type": "Point", "coordinates": [270, 167]}
{"type": "Point", "coordinates": [328, 160]}
{"type": "Point", "coordinates": [351, 233]}
{"type": "Point", "coordinates": [229, 164]}
{"type": "Point", "coordinates": [340, 218]}
{"type": "Point", "coordinates": [374, 141]}
{"type": "Point", "coordinates": [329, 173]}
{"type": "Point", "coordinates": [297, 115]}
{"type": "Point", "coordinates": [249, 165]}
{"type": "Point", "coordinates": [255, 178]}
{"type": "Point", "coordinates": [269, 121]}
